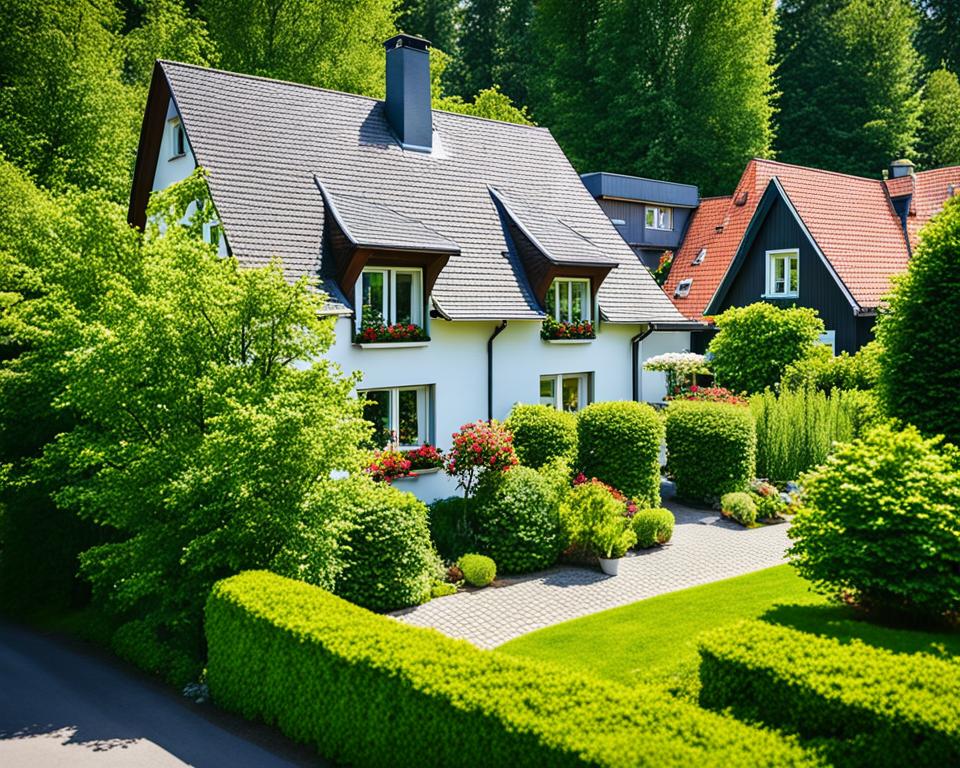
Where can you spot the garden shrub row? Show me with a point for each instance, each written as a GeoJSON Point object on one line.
{"type": "Point", "coordinates": [902, 708]}
{"type": "Point", "coordinates": [370, 691]}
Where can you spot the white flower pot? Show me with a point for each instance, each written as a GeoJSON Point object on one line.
{"type": "Point", "coordinates": [610, 566]}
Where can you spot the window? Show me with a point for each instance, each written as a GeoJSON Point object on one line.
{"type": "Point", "coordinates": [698, 259]}
{"type": "Point", "coordinates": [214, 233]}
{"type": "Point", "coordinates": [659, 218]}
{"type": "Point", "coordinates": [390, 296]}
{"type": "Point", "coordinates": [565, 391]}
{"type": "Point", "coordinates": [783, 273]}
{"type": "Point", "coordinates": [178, 139]}
{"type": "Point", "coordinates": [400, 415]}
{"type": "Point", "coordinates": [568, 300]}
{"type": "Point", "coordinates": [683, 288]}
{"type": "Point", "coordinates": [829, 339]}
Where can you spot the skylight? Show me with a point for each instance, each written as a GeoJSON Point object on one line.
{"type": "Point", "coordinates": [698, 259]}
{"type": "Point", "coordinates": [683, 288]}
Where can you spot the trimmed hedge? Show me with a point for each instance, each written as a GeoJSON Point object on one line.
{"type": "Point", "coordinates": [478, 570]}
{"type": "Point", "coordinates": [541, 433]}
{"type": "Point", "coordinates": [711, 449]}
{"type": "Point", "coordinates": [653, 526]}
{"type": "Point", "coordinates": [370, 691]}
{"type": "Point", "coordinates": [619, 443]}
{"type": "Point", "coordinates": [740, 506]}
{"type": "Point", "coordinates": [903, 708]}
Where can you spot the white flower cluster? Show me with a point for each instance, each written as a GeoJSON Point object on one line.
{"type": "Point", "coordinates": [678, 362]}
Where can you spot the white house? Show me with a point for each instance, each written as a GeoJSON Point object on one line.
{"type": "Point", "coordinates": [474, 230]}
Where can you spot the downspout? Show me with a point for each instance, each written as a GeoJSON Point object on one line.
{"type": "Point", "coordinates": [635, 355]}
{"type": "Point", "coordinates": [496, 332]}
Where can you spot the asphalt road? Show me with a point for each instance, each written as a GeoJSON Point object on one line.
{"type": "Point", "coordinates": [64, 704]}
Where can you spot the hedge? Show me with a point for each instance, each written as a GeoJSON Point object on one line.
{"type": "Point", "coordinates": [653, 526]}
{"type": "Point", "coordinates": [369, 691]}
{"type": "Point", "coordinates": [711, 449]}
{"type": "Point", "coordinates": [902, 708]}
{"type": "Point", "coordinates": [619, 443]}
{"type": "Point", "coordinates": [542, 433]}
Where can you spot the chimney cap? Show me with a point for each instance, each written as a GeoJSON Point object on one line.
{"type": "Point", "coordinates": [901, 168]}
{"type": "Point", "coordinates": [407, 41]}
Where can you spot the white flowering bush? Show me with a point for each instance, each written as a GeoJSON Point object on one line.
{"type": "Point", "coordinates": [681, 369]}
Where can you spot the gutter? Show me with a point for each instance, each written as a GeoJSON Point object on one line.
{"type": "Point", "coordinates": [635, 356]}
{"type": "Point", "coordinates": [496, 332]}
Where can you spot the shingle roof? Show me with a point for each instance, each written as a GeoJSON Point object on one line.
{"type": "Point", "coordinates": [263, 141]}
{"type": "Point", "coordinates": [929, 190]}
{"type": "Point", "coordinates": [850, 218]}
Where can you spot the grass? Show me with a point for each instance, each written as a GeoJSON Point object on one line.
{"type": "Point", "coordinates": [656, 639]}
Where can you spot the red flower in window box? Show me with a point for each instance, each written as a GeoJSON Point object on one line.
{"type": "Point", "coordinates": [553, 330]}
{"type": "Point", "coordinates": [378, 332]}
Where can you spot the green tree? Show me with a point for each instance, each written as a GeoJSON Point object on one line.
{"type": "Point", "coordinates": [331, 43]}
{"type": "Point", "coordinates": [939, 138]}
{"type": "Point", "coordinates": [489, 103]}
{"type": "Point", "coordinates": [167, 31]}
{"type": "Point", "coordinates": [919, 362]}
{"type": "Point", "coordinates": [474, 69]}
{"type": "Point", "coordinates": [436, 20]}
{"type": "Point", "coordinates": [848, 76]}
{"type": "Point", "coordinates": [513, 68]}
{"type": "Point", "coordinates": [938, 37]}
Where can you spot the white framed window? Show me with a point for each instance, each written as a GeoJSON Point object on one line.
{"type": "Point", "coordinates": [178, 139]}
{"type": "Point", "coordinates": [783, 273]}
{"type": "Point", "coordinates": [701, 255]}
{"type": "Point", "coordinates": [214, 233]}
{"type": "Point", "coordinates": [658, 217]}
{"type": "Point", "coordinates": [683, 288]}
{"type": "Point", "coordinates": [400, 415]}
{"type": "Point", "coordinates": [391, 295]}
{"type": "Point", "coordinates": [568, 300]}
{"type": "Point", "coordinates": [565, 391]}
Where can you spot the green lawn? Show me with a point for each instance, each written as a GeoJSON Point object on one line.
{"type": "Point", "coordinates": [656, 639]}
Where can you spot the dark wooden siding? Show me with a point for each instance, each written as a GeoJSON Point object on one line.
{"type": "Point", "coordinates": [818, 289]}
{"type": "Point", "coordinates": [634, 229]}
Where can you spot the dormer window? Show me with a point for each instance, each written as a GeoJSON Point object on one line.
{"type": "Point", "coordinates": [658, 217]}
{"type": "Point", "coordinates": [178, 139]}
{"type": "Point", "coordinates": [568, 300]}
{"type": "Point", "coordinates": [390, 296]}
{"type": "Point", "coordinates": [683, 288]}
{"type": "Point", "coordinates": [214, 234]}
{"type": "Point", "coordinates": [698, 259]}
{"type": "Point", "coordinates": [783, 274]}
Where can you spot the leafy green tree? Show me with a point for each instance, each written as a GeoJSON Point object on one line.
{"type": "Point", "coordinates": [331, 43]}
{"type": "Point", "coordinates": [475, 66]}
{"type": "Point", "coordinates": [66, 117]}
{"type": "Point", "coordinates": [489, 103]}
{"type": "Point", "coordinates": [938, 38]}
{"type": "Point", "coordinates": [939, 138]}
{"type": "Point", "coordinates": [919, 362]}
{"type": "Point", "coordinates": [167, 31]}
{"type": "Point", "coordinates": [848, 74]}
{"type": "Point", "coordinates": [513, 68]}
{"type": "Point", "coordinates": [436, 20]}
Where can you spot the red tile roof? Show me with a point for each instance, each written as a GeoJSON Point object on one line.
{"type": "Point", "coordinates": [930, 190]}
{"type": "Point", "coordinates": [849, 217]}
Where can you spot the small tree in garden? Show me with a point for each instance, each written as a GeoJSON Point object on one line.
{"type": "Point", "coordinates": [681, 369]}
{"type": "Point", "coordinates": [880, 524]}
{"type": "Point", "coordinates": [478, 449]}
{"type": "Point", "coordinates": [755, 344]}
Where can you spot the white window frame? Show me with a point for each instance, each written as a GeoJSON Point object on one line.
{"type": "Point", "coordinates": [424, 392]}
{"type": "Point", "coordinates": [583, 394]}
{"type": "Point", "coordinates": [683, 288]}
{"type": "Point", "coordinates": [177, 134]}
{"type": "Point", "coordinates": [389, 307]}
{"type": "Point", "coordinates": [791, 257]}
{"type": "Point", "coordinates": [566, 283]}
{"type": "Point", "coordinates": [701, 255]}
{"type": "Point", "coordinates": [660, 213]}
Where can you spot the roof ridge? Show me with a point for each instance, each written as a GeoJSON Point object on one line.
{"type": "Point", "coordinates": [816, 170]}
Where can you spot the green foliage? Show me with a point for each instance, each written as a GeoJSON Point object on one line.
{"type": "Point", "coordinates": [653, 526]}
{"type": "Point", "coordinates": [441, 701]}
{"type": "Point", "coordinates": [167, 31]}
{"type": "Point", "coordinates": [478, 570]}
{"type": "Point", "coordinates": [516, 518]}
{"type": "Point", "coordinates": [848, 74]}
{"type": "Point", "coordinates": [880, 522]}
{"type": "Point", "coordinates": [387, 558]}
{"type": "Point", "coordinates": [541, 433]}
{"type": "Point", "coordinates": [435, 20]}
{"type": "Point", "coordinates": [740, 506]}
{"type": "Point", "coordinates": [619, 444]}
{"type": "Point", "coordinates": [797, 428]}
{"type": "Point", "coordinates": [937, 36]}
{"type": "Point", "coordinates": [711, 448]}
{"type": "Point", "coordinates": [755, 344]}
{"type": "Point", "coordinates": [450, 527]}
{"type": "Point", "coordinates": [899, 708]}
{"type": "Point", "coordinates": [594, 522]}
{"type": "Point", "coordinates": [939, 138]}
{"type": "Point", "coordinates": [918, 358]}
{"type": "Point", "coordinates": [823, 370]}
{"type": "Point", "coordinates": [490, 103]}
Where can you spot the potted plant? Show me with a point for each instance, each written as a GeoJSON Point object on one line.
{"type": "Point", "coordinates": [595, 522]}
{"type": "Point", "coordinates": [612, 543]}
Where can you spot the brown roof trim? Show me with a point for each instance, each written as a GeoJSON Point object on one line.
{"type": "Point", "coordinates": [148, 150]}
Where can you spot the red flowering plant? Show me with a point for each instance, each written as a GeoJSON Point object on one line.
{"type": "Point", "coordinates": [424, 457]}
{"type": "Point", "coordinates": [479, 448]}
{"type": "Point", "coordinates": [388, 465]}
{"type": "Point", "coordinates": [629, 505]}
{"type": "Point", "coordinates": [713, 394]}
{"type": "Point", "coordinates": [553, 330]}
{"type": "Point", "coordinates": [376, 333]}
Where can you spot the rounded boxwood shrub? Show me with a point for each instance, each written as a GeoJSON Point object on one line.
{"type": "Point", "coordinates": [450, 526]}
{"type": "Point", "coordinates": [740, 506]}
{"type": "Point", "coordinates": [517, 520]}
{"type": "Point", "coordinates": [388, 559]}
{"type": "Point", "coordinates": [619, 444]}
{"type": "Point", "coordinates": [478, 570]}
{"type": "Point", "coordinates": [653, 526]}
{"type": "Point", "coordinates": [711, 449]}
{"type": "Point", "coordinates": [541, 433]}
{"type": "Point", "coordinates": [880, 522]}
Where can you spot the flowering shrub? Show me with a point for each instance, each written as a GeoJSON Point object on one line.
{"type": "Point", "coordinates": [479, 448]}
{"type": "Point", "coordinates": [376, 332]}
{"type": "Point", "coordinates": [594, 524]}
{"type": "Point", "coordinates": [681, 369]}
{"type": "Point", "coordinates": [662, 272]}
{"type": "Point", "coordinates": [424, 457]}
{"type": "Point", "coordinates": [630, 506]}
{"type": "Point", "coordinates": [712, 394]}
{"type": "Point", "coordinates": [770, 505]}
{"type": "Point", "coordinates": [554, 330]}
{"type": "Point", "coordinates": [388, 465]}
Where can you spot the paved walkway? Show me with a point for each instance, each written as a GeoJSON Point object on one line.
{"type": "Point", "coordinates": [705, 548]}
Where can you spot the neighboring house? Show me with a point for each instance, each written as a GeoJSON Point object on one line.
{"type": "Point", "coordinates": [650, 215]}
{"type": "Point", "coordinates": [800, 236]}
{"type": "Point", "coordinates": [472, 229]}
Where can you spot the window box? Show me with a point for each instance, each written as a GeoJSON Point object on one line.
{"type": "Point", "coordinates": [415, 473]}
{"type": "Point", "coordinates": [570, 341]}
{"type": "Point", "coordinates": [399, 334]}
{"type": "Point", "coordinates": [567, 331]}
{"type": "Point", "coordinates": [392, 344]}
